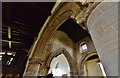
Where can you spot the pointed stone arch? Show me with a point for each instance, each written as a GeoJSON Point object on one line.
{"type": "Point", "coordinates": [41, 47]}
{"type": "Point", "coordinates": [83, 60]}
{"type": "Point", "coordinates": [67, 55]}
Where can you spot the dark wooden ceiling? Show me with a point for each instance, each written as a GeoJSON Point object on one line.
{"type": "Point", "coordinates": [73, 30]}
{"type": "Point", "coordinates": [21, 23]}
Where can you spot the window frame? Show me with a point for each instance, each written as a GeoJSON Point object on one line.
{"type": "Point", "coordinates": [83, 47]}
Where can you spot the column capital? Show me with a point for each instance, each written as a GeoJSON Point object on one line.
{"type": "Point", "coordinates": [75, 73]}
{"type": "Point", "coordinates": [43, 71]}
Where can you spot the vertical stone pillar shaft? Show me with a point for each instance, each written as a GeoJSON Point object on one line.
{"type": "Point", "coordinates": [81, 71]}
{"type": "Point", "coordinates": [103, 27]}
{"type": "Point", "coordinates": [33, 67]}
{"type": "Point", "coordinates": [32, 70]}
{"type": "Point", "coordinates": [43, 70]}
{"type": "Point", "coordinates": [74, 71]}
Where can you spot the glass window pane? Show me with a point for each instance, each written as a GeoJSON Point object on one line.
{"type": "Point", "coordinates": [84, 47]}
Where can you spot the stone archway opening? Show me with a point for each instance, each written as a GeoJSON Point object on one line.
{"type": "Point", "coordinates": [99, 30]}
{"type": "Point", "coordinates": [60, 63]}
{"type": "Point", "coordinates": [92, 66]}
{"type": "Point", "coordinates": [59, 66]}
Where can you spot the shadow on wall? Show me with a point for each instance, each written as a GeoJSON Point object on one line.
{"type": "Point", "coordinates": [62, 38]}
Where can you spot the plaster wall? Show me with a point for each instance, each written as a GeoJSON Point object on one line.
{"type": "Point", "coordinates": [61, 40]}
{"type": "Point", "coordinates": [90, 45]}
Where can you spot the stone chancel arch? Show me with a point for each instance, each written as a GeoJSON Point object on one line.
{"type": "Point", "coordinates": [64, 11]}
{"type": "Point", "coordinates": [97, 19]}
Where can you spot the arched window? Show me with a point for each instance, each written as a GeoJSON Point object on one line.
{"type": "Point", "coordinates": [83, 47]}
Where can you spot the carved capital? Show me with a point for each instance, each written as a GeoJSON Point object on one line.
{"type": "Point", "coordinates": [75, 73]}
{"type": "Point", "coordinates": [43, 70]}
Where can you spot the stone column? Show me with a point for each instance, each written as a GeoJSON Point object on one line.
{"type": "Point", "coordinates": [33, 67]}
{"type": "Point", "coordinates": [43, 70]}
{"type": "Point", "coordinates": [103, 27]}
{"type": "Point", "coordinates": [74, 72]}
{"type": "Point", "coordinates": [81, 70]}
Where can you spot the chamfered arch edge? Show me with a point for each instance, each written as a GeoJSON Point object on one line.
{"type": "Point", "coordinates": [57, 52]}
{"type": "Point", "coordinates": [67, 55]}
{"type": "Point", "coordinates": [85, 57]}
{"type": "Point", "coordinates": [51, 28]}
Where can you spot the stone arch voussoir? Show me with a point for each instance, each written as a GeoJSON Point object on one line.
{"type": "Point", "coordinates": [62, 14]}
